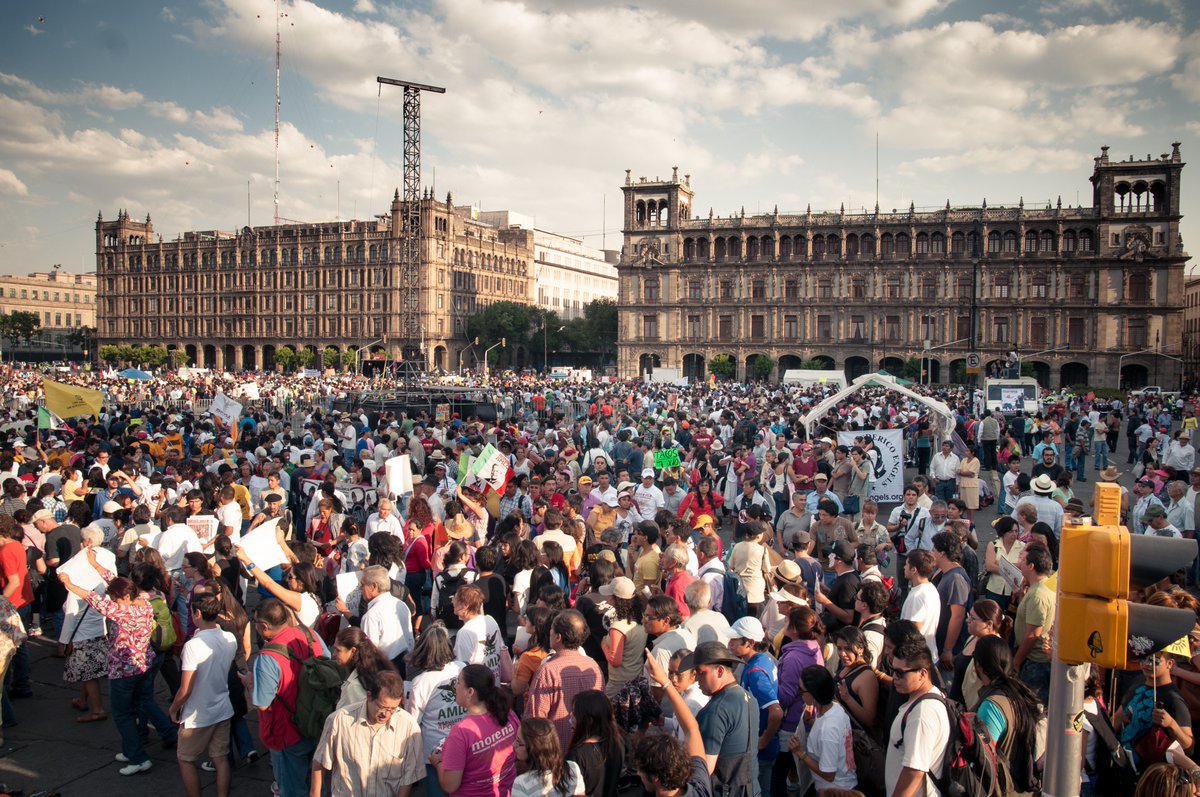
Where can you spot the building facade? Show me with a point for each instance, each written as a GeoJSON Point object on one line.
{"type": "Point", "coordinates": [65, 303]}
{"type": "Point", "coordinates": [1191, 330]}
{"type": "Point", "coordinates": [1084, 295]}
{"type": "Point", "coordinates": [230, 300]}
{"type": "Point", "coordinates": [567, 274]}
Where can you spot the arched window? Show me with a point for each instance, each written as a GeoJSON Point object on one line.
{"type": "Point", "coordinates": [937, 243]}
{"type": "Point", "coordinates": [785, 247]}
{"type": "Point", "coordinates": [851, 246]}
{"type": "Point", "coordinates": [1046, 242]}
{"type": "Point", "coordinates": [1031, 239]}
{"type": "Point", "coordinates": [833, 246]}
{"type": "Point", "coordinates": [818, 249]}
{"type": "Point", "coordinates": [922, 243]}
{"type": "Point", "coordinates": [888, 242]}
{"type": "Point", "coordinates": [702, 249]}
{"type": "Point", "coordinates": [719, 249]}
{"type": "Point", "coordinates": [866, 245]}
{"type": "Point", "coordinates": [1085, 240]}
{"type": "Point", "coordinates": [689, 249]}
{"type": "Point", "coordinates": [766, 248]}
{"type": "Point", "coordinates": [1068, 241]}
{"type": "Point", "coordinates": [903, 246]}
{"type": "Point", "coordinates": [1010, 242]}
{"type": "Point", "coordinates": [995, 242]}
{"type": "Point", "coordinates": [735, 248]}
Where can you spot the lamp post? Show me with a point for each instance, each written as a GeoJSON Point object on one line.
{"type": "Point", "coordinates": [545, 355]}
{"type": "Point", "coordinates": [925, 355]}
{"type": "Point", "coordinates": [975, 254]}
{"type": "Point", "coordinates": [503, 342]}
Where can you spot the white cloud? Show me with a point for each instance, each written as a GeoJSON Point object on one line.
{"type": "Point", "coordinates": [11, 184]}
{"type": "Point", "coordinates": [34, 30]}
{"type": "Point", "coordinates": [88, 94]}
{"type": "Point", "coordinates": [364, 7]}
{"type": "Point", "coordinates": [1000, 160]}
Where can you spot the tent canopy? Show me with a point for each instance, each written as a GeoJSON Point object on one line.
{"type": "Point", "coordinates": [941, 419]}
{"type": "Point", "coordinates": [135, 374]}
{"type": "Point", "coordinates": [897, 379]}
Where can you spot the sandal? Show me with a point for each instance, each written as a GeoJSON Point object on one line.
{"type": "Point", "coordinates": [79, 703]}
{"type": "Point", "coordinates": [92, 717]}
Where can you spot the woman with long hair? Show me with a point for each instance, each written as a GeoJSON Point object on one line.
{"type": "Point", "coordinates": [421, 518]}
{"type": "Point", "coordinates": [625, 644]}
{"type": "Point", "coordinates": [523, 560]}
{"type": "Point", "coordinates": [481, 747]}
{"type": "Point", "coordinates": [856, 685]}
{"type": "Point", "coordinates": [597, 745]}
{"type": "Point", "coordinates": [546, 773]}
{"type": "Point", "coordinates": [300, 590]}
{"type": "Point", "coordinates": [359, 656]}
{"type": "Point", "coordinates": [552, 569]}
{"type": "Point", "coordinates": [1007, 706]}
{"type": "Point", "coordinates": [701, 501]}
{"type": "Point", "coordinates": [431, 698]}
{"type": "Point", "coordinates": [826, 754]}
{"type": "Point", "coordinates": [1008, 547]}
{"type": "Point", "coordinates": [537, 625]}
{"type": "Point", "coordinates": [985, 619]}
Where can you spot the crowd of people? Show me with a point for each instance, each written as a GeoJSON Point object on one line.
{"type": "Point", "coordinates": [747, 622]}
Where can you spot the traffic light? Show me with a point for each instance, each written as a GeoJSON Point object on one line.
{"type": "Point", "coordinates": [1099, 566]}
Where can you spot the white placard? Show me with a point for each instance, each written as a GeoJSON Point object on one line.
{"type": "Point", "coordinates": [887, 482]}
{"type": "Point", "coordinates": [81, 572]}
{"type": "Point", "coordinates": [205, 527]}
{"type": "Point", "coordinates": [1010, 573]}
{"type": "Point", "coordinates": [399, 475]}
{"type": "Point", "coordinates": [262, 547]}
{"type": "Point", "coordinates": [346, 583]}
{"type": "Point", "coordinates": [226, 410]}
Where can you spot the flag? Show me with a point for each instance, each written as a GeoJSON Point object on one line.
{"type": "Point", "coordinates": [68, 401]}
{"type": "Point", "coordinates": [44, 421]}
{"type": "Point", "coordinates": [491, 467]}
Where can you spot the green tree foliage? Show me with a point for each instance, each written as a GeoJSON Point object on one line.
{"type": "Point", "coordinates": [537, 329]}
{"type": "Point", "coordinates": [332, 358]}
{"type": "Point", "coordinates": [722, 366]}
{"type": "Point", "coordinates": [812, 365]}
{"type": "Point", "coordinates": [285, 358]}
{"type": "Point", "coordinates": [762, 367]}
{"type": "Point", "coordinates": [349, 359]}
{"type": "Point", "coordinates": [305, 357]}
{"type": "Point", "coordinates": [911, 369]}
{"type": "Point", "coordinates": [110, 354]}
{"type": "Point", "coordinates": [19, 325]}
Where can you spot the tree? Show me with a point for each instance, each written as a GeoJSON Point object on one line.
{"type": "Point", "coordinates": [19, 325]}
{"type": "Point", "coordinates": [110, 354]}
{"type": "Point", "coordinates": [518, 324]}
{"type": "Point", "coordinates": [911, 369]}
{"type": "Point", "coordinates": [1028, 368]}
{"type": "Point", "coordinates": [331, 357]}
{"type": "Point", "coordinates": [285, 358]}
{"type": "Point", "coordinates": [150, 356]}
{"type": "Point", "coordinates": [81, 338]}
{"type": "Point", "coordinates": [349, 359]}
{"type": "Point", "coordinates": [305, 357]}
{"type": "Point", "coordinates": [762, 367]}
{"type": "Point", "coordinates": [722, 366]}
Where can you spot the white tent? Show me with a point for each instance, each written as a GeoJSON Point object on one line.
{"type": "Point", "coordinates": [941, 419]}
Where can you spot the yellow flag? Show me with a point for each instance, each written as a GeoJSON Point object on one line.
{"type": "Point", "coordinates": [1179, 647]}
{"type": "Point", "coordinates": [68, 401]}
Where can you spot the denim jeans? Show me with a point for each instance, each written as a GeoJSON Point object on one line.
{"type": "Point", "coordinates": [126, 695]}
{"type": "Point", "coordinates": [1080, 467]}
{"type": "Point", "coordinates": [432, 787]}
{"type": "Point", "coordinates": [1036, 675]}
{"type": "Point", "coordinates": [1101, 453]}
{"type": "Point", "coordinates": [944, 490]}
{"type": "Point", "coordinates": [293, 768]}
{"type": "Point", "coordinates": [241, 743]}
{"type": "Point", "coordinates": [149, 712]}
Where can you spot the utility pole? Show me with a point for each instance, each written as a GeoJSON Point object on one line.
{"type": "Point", "coordinates": [975, 255]}
{"type": "Point", "coordinates": [410, 225]}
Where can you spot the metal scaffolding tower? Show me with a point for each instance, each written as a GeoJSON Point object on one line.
{"type": "Point", "coordinates": [409, 256]}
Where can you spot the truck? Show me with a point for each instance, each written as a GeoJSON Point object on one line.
{"type": "Point", "coordinates": [1153, 391]}
{"type": "Point", "coordinates": [1021, 394]}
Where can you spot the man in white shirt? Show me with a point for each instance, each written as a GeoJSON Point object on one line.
{"type": "Point", "coordinates": [943, 470]}
{"type": "Point", "coordinates": [922, 606]}
{"type": "Point", "coordinates": [920, 732]}
{"type": "Point", "coordinates": [704, 624]}
{"type": "Point", "coordinates": [384, 521]}
{"type": "Point", "coordinates": [1180, 454]}
{"type": "Point", "coordinates": [711, 571]}
{"type": "Point", "coordinates": [387, 621]}
{"type": "Point", "coordinates": [177, 539]}
{"type": "Point", "coordinates": [647, 496]}
{"type": "Point", "coordinates": [913, 521]}
{"type": "Point", "coordinates": [553, 521]}
{"type": "Point", "coordinates": [202, 704]}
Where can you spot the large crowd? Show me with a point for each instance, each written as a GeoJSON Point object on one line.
{"type": "Point", "coordinates": [675, 589]}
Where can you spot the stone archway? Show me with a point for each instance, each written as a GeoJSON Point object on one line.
{"type": "Point", "coordinates": [856, 367]}
{"type": "Point", "coordinates": [268, 358]}
{"type": "Point", "coordinates": [958, 372]}
{"type": "Point", "coordinates": [827, 362]}
{"type": "Point", "coordinates": [893, 365]}
{"type": "Point", "coordinates": [439, 358]}
{"type": "Point", "coordinates": [647, 363]}
{"type": "Point", "coordinates": [210, 356]}
{"type": "Point", "coordinates": [1134, 376]}
{"type": "Point", "coordinates": [1073, 374]}
{"type": "Point", "coordinates": [249, 358]}
{"type": "Point", "coordinates": [1041, 372]}
{"type": "Point", "coordinates": [694, 367]}
{"type": "Point", "coordinates": [190, 351]}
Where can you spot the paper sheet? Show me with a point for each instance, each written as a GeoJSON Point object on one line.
{"type": "Point", "coordinates": [399, 475]}
{"type": "Point", "coordinates": [346, 583]}
{"type": "Point", "coordinates": [81, 572]}
{"type": "Point", "coordinates": [1010, 573]}
{"type": "Point", "coordinates": [205, 527]}
{"type": "Point", "coordinates": [260, 544]}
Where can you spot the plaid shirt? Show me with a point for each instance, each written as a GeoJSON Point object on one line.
{"type": "Point", "coordinates": [555, 685]}
{"type": "Point", "coordinates": [518, 502]}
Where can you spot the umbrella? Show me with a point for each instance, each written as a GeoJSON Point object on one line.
{"type": "Point", "coordinates": [135, 374]}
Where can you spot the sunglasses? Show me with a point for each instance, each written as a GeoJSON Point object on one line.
{"type": "Point", "coordinates": [899, 673]}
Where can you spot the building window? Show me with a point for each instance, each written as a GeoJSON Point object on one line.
{"type": "Point", "coordinates": [695, 291]}
{"type": "Point", "coordinates": [1085, 241]}
{"type": "Point", "coordinates": [994, 243]}
{"type": "Point", "coordinates": [824, 327]}
{"type": "Point", "coordinates": [825, 288]}
{"type": "Point", "coordinates": [726, 289]}
{"type": "Point", "coordinates": [1037, 331]}
{"type": "Point", "coordinates": [757, 327]}
{"type": "Point", "coordinates": [858, 328]}
{"type": "Point", "coordinates": [891, 330]}
{"type": "Point", "coordinates": [1000, 333]}
{"type": "Point", "coordinates": [922, 243]}
{"type": "Point", "coordinates": [1135, 334]}
{"type": "Point", "coordinates": [1031, 242]}
{"type": "Point", "coordinates": [962, 327]}
{"type": "Point", "coordinates": [725, 327]}
{"type": "Point", "coordinates": [791, 289]}
{"type": "Point", "coordinates": [1001, 285]}
{"type": "Point", "coordinates": [858, 288]}
{"type": "Point", "coordinates": [927, 328]}
{"type": "Point", "coordinates": [1037, 286]}
{"type": "Point", "coordinates": [758, 289]}
{"type": "Point", "coordinates": [1077, 286]}
{"type": "Point", "coordinates": [651, 289]}
{"type": "Point", "coordinates": [791, 329]}
{"type": "Point", "coordinates": [893, 286]}
{"type": "Point", "coordinates": [928, 287]}
{"type": "Point", "coordinates": [965, 286]}
{"type": "Point", "coordinates": [1139, 287]}
{"type": "Point", "coordinates": [1010, 243]}
{"type": "Point", "coordinates": [1075, 331]}
{"type": "Point", "coordinates": [937, 243]}
{"type": "Point", "coordinates": [693, 327]}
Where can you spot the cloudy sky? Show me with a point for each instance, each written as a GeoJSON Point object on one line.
{"type": "Point", "coordinates": [169, 110]}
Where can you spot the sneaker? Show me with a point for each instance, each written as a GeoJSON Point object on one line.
{"type": "Point", "coordinates": [135, 769]}
{"type": "Point", "coordinates": [121, 759]}
{"type": "Point", "coordinates": [251, 757]}
{"type": "Point", "coordinates": [208, 766]}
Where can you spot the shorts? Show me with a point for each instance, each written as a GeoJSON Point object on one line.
{"type": "Point", "coordinates": [196, 744]}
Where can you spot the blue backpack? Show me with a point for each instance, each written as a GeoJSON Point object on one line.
{"type": "Point", "coordinates": [733, 601]}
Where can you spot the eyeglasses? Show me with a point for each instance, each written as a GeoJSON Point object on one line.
{"type": "Point", "coordinates": [899, 673]}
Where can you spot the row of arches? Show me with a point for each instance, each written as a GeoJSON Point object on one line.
{"type": "Point", "coordinates": [1139, 196]}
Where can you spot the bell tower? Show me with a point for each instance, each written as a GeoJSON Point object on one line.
{"type": "Point", "coordinates": [653, 212]}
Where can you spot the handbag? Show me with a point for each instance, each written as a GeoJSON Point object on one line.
{"type": "Point", "coordinates": [70, 646]}
{"type": "Point", "coordinates": [10, 623]}
{"type": "Point", "coordinates": [851, 504]}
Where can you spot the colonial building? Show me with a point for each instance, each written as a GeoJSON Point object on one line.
{"type": "Point", "coordinates": [567, 273]}
{"type": "Point", "coordinates": [1191, 330]}
{"type": "Point", "coordinates": [231, 299]}
{"type": "Point", "coordinates": [1087, 295]}
{"type": "Point", "coordinates": [64, 303]}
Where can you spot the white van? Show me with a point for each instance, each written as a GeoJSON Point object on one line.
{"type": "Point", "coordinates": [1013, 395]}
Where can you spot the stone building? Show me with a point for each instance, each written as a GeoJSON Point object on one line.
{"type": "Point", "coordinates": [64, 302]}
{"type": "Point", "coordinates": [1086, 295]}
{"type": "Point", "coordinates": [1191, 330]}
{"type": "Point", "coordinates": [231, 299]}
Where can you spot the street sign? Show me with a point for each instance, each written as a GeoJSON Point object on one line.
{"type": "Point", "coordinates": [974, 360]}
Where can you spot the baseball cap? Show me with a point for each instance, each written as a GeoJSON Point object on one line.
{"type": "Point", "coordinates": [620, 587]}
{"type": "Point", "coordinates": [647, 473]}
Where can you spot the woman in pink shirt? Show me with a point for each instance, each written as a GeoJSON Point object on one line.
{"type": "Point", "coordinates": [478, 757]}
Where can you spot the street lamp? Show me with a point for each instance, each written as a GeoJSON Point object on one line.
{"type": "Point", "coordinates": [925, 355]}
{"type": "Point", "coordinates": [358, 353]}
{"type": "Point", "coordinates": [503, 342]}
{"type": "Point", "coordinates": [545, 356]}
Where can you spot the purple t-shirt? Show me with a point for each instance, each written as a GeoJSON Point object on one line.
{"type": "Point", "coordinates": [483, 751]}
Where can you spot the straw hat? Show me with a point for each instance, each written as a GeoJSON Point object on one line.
{"type": "Point", "coordinates": [1110, 474]}
{"type": "Point", "coordinates": [459, 528]}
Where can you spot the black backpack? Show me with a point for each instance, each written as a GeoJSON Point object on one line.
{"type": "Point", "coordinates": [971, 766]}
{"type": "Point", "coordinates": [447, 586]}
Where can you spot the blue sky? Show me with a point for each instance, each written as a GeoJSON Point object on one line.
{"type": "Point", "coordinates": [168, 109]}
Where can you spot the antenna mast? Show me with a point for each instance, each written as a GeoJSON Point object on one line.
{"type": "Point", "coordinates": [277, 48]}
{"type": "Point", "coordinates": [411, 330]}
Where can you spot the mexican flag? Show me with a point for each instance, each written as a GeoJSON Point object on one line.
{"type": "Point", "coordinates": [491, 467]}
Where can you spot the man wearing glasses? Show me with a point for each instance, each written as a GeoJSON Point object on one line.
{"type": "Point", "coordinates": [1154, 714]}
{"type": "Point", "coordinates": [921, 730]}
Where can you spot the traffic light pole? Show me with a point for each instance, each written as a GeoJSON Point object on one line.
{"type": "Point", "coordinates": [1064, 730]}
